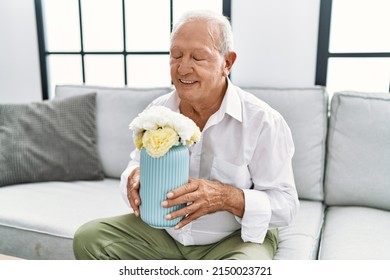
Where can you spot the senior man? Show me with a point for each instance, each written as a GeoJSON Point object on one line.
{"type": "Point", "coordinates": [242, 185]}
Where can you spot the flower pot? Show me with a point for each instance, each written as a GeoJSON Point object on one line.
{"type": "Point", "coordinates": [157, 177]}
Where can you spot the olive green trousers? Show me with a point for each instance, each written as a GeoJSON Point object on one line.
{"type": "Point", "coordinates": [127, 237]}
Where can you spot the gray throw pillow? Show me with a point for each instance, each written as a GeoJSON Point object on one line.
{"type": "Point", "coordinates": [49, 141]}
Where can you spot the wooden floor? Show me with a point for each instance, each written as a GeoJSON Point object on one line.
{"type": "Point", "coordinates": [5, 257]}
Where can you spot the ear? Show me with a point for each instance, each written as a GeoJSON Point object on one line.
{"type": "Point", "coordinates": [230, 58]}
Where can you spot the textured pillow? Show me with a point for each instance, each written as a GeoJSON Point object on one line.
{"type": "Point", "coordinates": [49, 141]}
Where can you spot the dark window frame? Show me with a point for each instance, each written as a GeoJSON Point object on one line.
{"type": "Point", "coordinates": [43, 53]}
{"type": "Point", "coordinates": [323, 53]}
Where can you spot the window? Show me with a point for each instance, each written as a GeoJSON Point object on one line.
{"type": "Point", "coordinates": [109, 42]}
{"type": "Point", "coordinates": [354, 45]}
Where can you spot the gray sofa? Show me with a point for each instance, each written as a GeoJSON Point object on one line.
{"type": "Point", "coordinates": [341, 166]}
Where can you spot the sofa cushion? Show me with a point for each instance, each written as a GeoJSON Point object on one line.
{"type": "Point", "coordinates": [300, 240]}
{"type": "Point", "coordinates": [305, 111]}
{"type": "Point", "coordinates": [358, 157]}
{"type": "Point", "coordinates": [38, 220]}
{"type": "Point", "coordinates": [48, 141]}
{"type": "Point", "coordinates": [34, 245]}
{"type": "Point", "coordinates": [352, 233]}
{"type": "Point", "coordinates": [116, 108]}
{"type": "Point", "coordinates": [94, 199]}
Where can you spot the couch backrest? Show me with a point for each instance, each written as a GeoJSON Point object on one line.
{"type": "Point", "coordinates": [305, 111]}
{"type": "Point", "coordinates": [115, 109]}
{"type": "Point", "coordinates": [358, 159]}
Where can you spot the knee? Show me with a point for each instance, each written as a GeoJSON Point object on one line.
{"type": "Point", "coordinates": [83, 241]}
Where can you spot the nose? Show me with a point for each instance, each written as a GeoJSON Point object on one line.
{"type": "Point", "coordinates": [185, 67]}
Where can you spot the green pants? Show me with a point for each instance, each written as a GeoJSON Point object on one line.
{"type": "Point", "coordinates": [129, 238]}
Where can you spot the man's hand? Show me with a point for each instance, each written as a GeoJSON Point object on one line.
{"type": "Point", "coordinates": [133, 191]}
{"type": "Point", "coordinates": [205, 197]}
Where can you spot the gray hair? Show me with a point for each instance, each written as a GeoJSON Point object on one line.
{"type": "Point", "coordinates": [226, 42]}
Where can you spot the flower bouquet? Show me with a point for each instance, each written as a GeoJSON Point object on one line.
{"type": "Point", "coordinates": [163, 136]}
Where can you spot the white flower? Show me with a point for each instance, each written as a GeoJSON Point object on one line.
{"type": "Point", "coordinates": [160, 117]}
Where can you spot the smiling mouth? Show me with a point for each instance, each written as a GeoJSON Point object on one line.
{"type": "Point", "coordinates": [187, 82]}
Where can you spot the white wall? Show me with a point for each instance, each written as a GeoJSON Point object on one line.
{"type": "Point", "coordinates": [19, 57]}
{"type": "Point", "coordinates": [276, 42]}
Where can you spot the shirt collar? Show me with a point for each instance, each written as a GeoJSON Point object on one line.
{"type": "Point", "coordinates": [231, 103]}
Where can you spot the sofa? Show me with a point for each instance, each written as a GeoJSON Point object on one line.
{"type": "Point", "coordinates": [341, 167]}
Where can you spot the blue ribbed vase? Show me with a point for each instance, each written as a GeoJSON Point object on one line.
{"type": "Point", "coordinates": [157, 177]}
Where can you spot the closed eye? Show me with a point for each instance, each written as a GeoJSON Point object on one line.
{"type": "Point", "coordinates": [175, 54]}
{"type": "Point", "coordinates": [198, 59]}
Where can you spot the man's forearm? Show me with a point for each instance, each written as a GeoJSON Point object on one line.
{"type": "Point", "coordinates": [235, 202]}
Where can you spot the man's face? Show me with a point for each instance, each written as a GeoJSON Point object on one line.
{"type": "Point", "coordinates": [198, 70]}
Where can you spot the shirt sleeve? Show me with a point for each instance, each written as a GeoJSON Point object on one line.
{"type": "Point", "coordinates": [134, 163]}
{"type": "Point", "coordinates": [273, 200]}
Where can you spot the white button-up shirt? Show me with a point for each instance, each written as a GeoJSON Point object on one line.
{"type": "Point", "coordinates": [248, 145]}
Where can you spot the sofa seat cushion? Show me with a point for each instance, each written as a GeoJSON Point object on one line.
{"type": "Point", "coordinates": [59, 208]}
{"type": "Point", "coordinates": [299, 241]}
{"type": "Point", "coordinates": [305, 111]}
{"type": "Point", "coordinates": [34, 245]}
{"type": "Point", "coordinates": [115, 109]}
{"type": "Point", "coordinates": [355, 233]}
